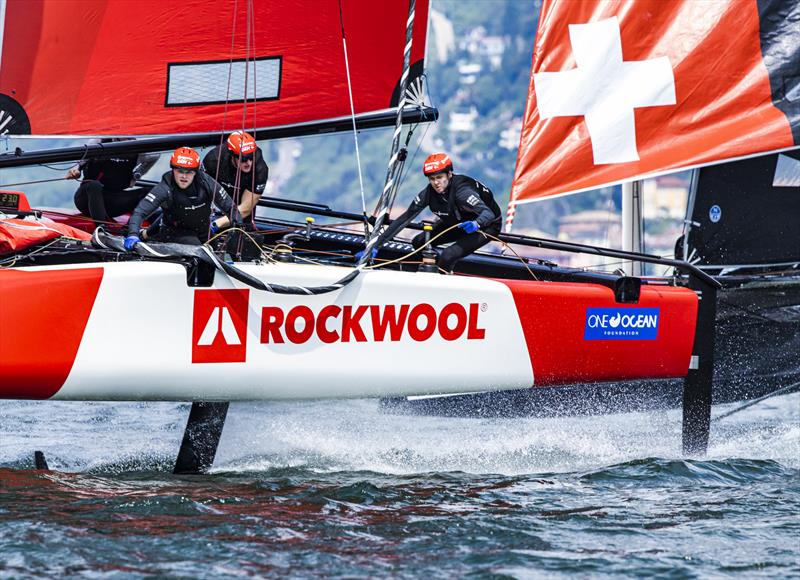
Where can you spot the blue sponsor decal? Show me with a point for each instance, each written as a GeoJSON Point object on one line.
{"type": "Point", "coordinates": [621, 324]}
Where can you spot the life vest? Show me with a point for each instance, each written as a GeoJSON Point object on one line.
{"type": "Point", "coordinates": [115, 173]}
{"type": "Point", "coordinates": [190, 209]}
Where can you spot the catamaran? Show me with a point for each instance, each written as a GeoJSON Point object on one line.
{"type": "Point", "coordinates": [285, 325]}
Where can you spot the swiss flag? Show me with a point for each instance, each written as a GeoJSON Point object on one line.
{"type": "Point", "coordinates": [623, 89]}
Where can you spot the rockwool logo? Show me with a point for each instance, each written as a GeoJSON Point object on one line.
{"type": "Point", "coordinates": [219, 328]}
{"type": "Point", "coordinates": [371, 323]}
{"type": "Point", "coordinates": [621, 324]}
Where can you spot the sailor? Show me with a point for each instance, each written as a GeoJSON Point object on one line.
{"type": "Point", "coordinates": [457, 200]}
{"type": "Point", "coordinates": [240, 168]}
{"type": "Point", "coordinates": [108, 184]}
{"type": "Point", "coordinates": [187, 197]}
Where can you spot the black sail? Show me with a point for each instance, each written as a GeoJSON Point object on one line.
{"type": "Point", "coordinates": [748, 212]}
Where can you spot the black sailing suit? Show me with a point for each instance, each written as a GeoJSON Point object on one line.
{"type": "Point", "coordinates": [186, 212]}
{"type": "Point", "coordinates": [465, 199]}
{"type": "Point", "coordinates": [218, 163]}
{"type": "Point", "coordinates": [104, 193]}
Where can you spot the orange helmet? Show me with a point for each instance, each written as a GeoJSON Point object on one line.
{"type": "Point", "coordinates": [437, 163]}
{"type": "Point", "coordinates": [241, 143]}
{"type": "Point", "coordinates": [185, 158]}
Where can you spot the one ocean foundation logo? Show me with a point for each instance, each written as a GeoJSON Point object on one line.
{"type": "Point", "coordinates": [621, 324]}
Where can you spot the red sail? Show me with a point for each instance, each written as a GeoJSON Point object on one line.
{"type": "Point", "coordinates": [622, 89]}
{"type": "Point", "coordinates": [103, 67]}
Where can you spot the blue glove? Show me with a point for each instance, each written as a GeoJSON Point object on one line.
{"type": "Point", "coordinates": [214, 228]}
{"type": "Point", "coordinates": [361, 253]}
{"type": "Point", "coordinates": [469, 227]}
{"type": "Point", "coordinates": [131, 241]}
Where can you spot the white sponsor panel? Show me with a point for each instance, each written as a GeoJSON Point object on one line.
{"type": "Point", "coordinates": [220, 82]}
{"type": "Point", "coordinates": [456, 334]}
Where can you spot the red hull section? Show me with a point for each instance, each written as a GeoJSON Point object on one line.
{"type": "Point", "coordinates": [543, 333]}
{"type": "Point", "coordinates": [43, 316]}
{"type": "Point", "coordinates": [150, 67]}
{"type": "Point", "coordinates": [556, 314]}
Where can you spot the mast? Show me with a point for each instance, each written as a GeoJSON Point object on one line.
{"type": "Point", "coordinates": [398, 156]}
{"type": "Point", "coordinates": [632, 227]}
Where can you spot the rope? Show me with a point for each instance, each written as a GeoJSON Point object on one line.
{"type": "Point", "coordinates": [231, 230]}
{"type": "Point", "coordinates": [9, 262]}
{"type": "Point", "coordinates": [227, 102]}
{"type": "Point", "coordinates": [416, 251]}
{"type": "Point", "coordinates": [353, 117]}
{"type": "Point", "coordinates": [782, 391]}
{"type": "Point", "coordinates": [41, 181]}
{"type": "Point", "coordinates": [255, 110]}
{"type": "Point", "coordinates": [513, 251]}
{"type": "Point", "coordinates": [247, 56]}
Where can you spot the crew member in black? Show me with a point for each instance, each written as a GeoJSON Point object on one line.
{"type": "Point", "coordinates": [108, 188]}
{"type": "Point", "coordinates": [240, 168]}
{"type": "Point", "coordinates": [456, 200]}
{"type": "Point", "coordinates": [186, 197]}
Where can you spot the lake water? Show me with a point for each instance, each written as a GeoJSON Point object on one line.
{"type": "Point", "coordinates": [342, 490]}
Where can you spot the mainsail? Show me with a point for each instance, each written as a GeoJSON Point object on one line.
{"type": "Point", "coordinates": [622, 89]}
{"type": "Point", "coordinates": [100, 67]}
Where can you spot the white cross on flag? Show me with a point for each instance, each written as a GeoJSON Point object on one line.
{"type": "Point", "coordinates": [621, 89]}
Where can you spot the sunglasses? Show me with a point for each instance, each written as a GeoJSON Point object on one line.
{"type": "Point", "coordinates": [245, 158]}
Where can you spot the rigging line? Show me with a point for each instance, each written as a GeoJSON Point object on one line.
{"type": "Point", "coordinates": [520, 258]}
{"type": "Point", "coordinates": [748, 311]}
{"type": "Point", "coordinates": [782, 391]}
{"type": "Point", "coordinates": [397, 156]}
{"type": "Point", "coordinates": [54, 212]}
{"type": "Point", "coordinates": [231, 230]}
{"type": "Point", "coordinates": [230, 70]}
{"type": "Point", "coordinates": [252, 32]}
{"type": "Point", "coordinates": [37, 181]}
{"type": "Point", "coordinates": [225, 109]}
{"type": "Point", "coordinates": [423, 79]}
{"type": "Point", "coordinates": [66, 165]}
{"type": "Point", "coordinates": [246, 62]}
{"type": "Point", "coordinates": [416, 99]}
{"type": "Point", "coordinates": [414, 155]}
{"type": "Point", "coordinates": [413, 252]}
{"type": "Point", "coordinates": [402, 175]}
{"type": "Point", "coordinates": [426, 83]}
{"type": "Point", "coordinates": [11, 260]}
{"type": "Point", "coordinates": [353, 117]}
{"type": "Point", "coordinates": [250, 56]}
